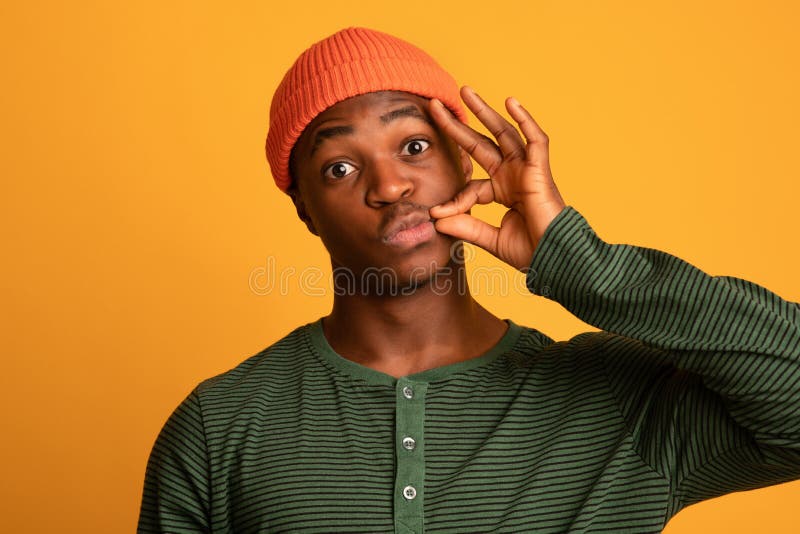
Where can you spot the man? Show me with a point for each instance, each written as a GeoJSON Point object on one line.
{"type": "Point", "coordinates": [410, 407]}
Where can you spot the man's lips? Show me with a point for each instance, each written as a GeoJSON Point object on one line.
{"type": "Point", "coordinates": [418, 233]}
{"type": "Point", "coordinates": [406, 225]}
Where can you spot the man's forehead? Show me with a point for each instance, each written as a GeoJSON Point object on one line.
{"type": "Point", "coordinates": [368, 104]}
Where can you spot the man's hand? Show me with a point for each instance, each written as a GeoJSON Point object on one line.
{"type": "Point", "coordinates": [519, 178]}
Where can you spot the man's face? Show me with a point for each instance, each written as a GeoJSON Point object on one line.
{"type": "Point", "coordinates": [367, 170]}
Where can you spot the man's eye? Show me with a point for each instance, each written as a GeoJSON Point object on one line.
{"type": "Point", "coordinates": [417, 146]}
{"type": "Point", "coordinates": [338, 170]}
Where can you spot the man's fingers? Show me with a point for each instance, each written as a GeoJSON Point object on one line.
{"type": "Point", "coordinates": [511, 143]}
{"type": "Point", "coordinates": [537, 148]}
{"type": "Point", "coordinates": [475, 192]}
{"type": "Point", "coordinates": [477, 145]}
{"type": "Point", "coordinates": [470, 229]}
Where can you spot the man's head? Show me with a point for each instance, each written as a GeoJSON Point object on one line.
{"type": "Point", "coordinates": [351, 62]}
{"type": "Point", "coordinates": [352, 142]}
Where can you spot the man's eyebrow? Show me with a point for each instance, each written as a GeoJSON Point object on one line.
{"type": "Point", "coordinates": [334, 131]}
{"type": "Point", "coordinates": [408, 111]}
{"type": "Point", "coordinates": [327, 133]}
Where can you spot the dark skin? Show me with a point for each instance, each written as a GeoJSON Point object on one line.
{"type": "Point", "coordinates": [370, 173]}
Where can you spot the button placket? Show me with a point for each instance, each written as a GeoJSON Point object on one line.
{"type": "Point", "coordinates": [409, 453]}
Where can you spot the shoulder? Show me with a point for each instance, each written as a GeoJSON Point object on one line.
{"type": "Point", "coordinates": [620, 362]}
{"type": "Point", "coordinates": [602, 347]}
{"type": "Point", "coordinates": [534, 347]}
{"type": "Point", "coordinates": [268, 371]}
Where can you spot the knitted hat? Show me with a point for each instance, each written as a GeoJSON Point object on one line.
{"type": "Point", "coordinates": [348, 63]}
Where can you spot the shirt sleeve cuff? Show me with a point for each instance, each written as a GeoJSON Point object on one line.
{"type": "Point", "coordinates": [563, 241]}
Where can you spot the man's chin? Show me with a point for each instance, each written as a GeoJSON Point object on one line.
{"type": "Point", "coordinates": [440, 277]}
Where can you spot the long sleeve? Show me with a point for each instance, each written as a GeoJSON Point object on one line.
{"type": "Point", "coordinates": [706, 369]}
{"type": "Point", "coordinates": [176, 487]}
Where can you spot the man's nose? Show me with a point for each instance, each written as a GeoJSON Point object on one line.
{"type": "Point", "coordinates": [388, 181]}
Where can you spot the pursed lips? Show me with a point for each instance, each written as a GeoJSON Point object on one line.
{"type": "Point", "coordinates": [404, 217]}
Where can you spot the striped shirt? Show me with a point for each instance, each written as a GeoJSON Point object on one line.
{"type": "Point", "coordinates": [691, 390]}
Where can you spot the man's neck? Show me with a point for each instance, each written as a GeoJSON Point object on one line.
{"type": "Point", "coordinates": [412, 331]}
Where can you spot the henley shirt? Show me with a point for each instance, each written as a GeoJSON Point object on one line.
{"type": "Point", "coordinates": [690, 390]}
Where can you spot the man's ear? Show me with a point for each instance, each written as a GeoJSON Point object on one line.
{"type": "Point", "coordinates": [466, 164]}
{"type": "Point", "coordinates": [300, 206]}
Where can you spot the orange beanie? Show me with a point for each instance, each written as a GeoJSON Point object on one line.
{"type": "Point", "coordinates": [348, 63]}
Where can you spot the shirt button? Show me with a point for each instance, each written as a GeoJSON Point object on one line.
{"type": "Point", "coordinates": [409, 443]}
{"type": "Point", "coordinates": [409, 492]}
{"type": "Point", "coordinates": [408, 392]}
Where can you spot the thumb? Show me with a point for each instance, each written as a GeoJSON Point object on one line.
{"type": "Point", "coordinates": [470, 229]}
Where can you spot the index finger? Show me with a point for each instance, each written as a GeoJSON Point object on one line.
{"type": "Point", "coordinates": [475, 192]}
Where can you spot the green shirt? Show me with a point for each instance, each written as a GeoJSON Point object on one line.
{"type": "Point", "coordinates": [692, 390]}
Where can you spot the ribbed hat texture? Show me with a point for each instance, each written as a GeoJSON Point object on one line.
{"type": "Point", "coordinates": [348, 63]}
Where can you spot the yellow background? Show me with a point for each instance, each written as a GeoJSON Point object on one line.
{"type": "Point", "coordinates": [137, 204]}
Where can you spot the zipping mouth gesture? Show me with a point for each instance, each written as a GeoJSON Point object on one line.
{"type": "Point", "coordinates": [519, 178]}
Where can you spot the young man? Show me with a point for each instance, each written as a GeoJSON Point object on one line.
{"type": "Point", "coordinates": [410, 407]}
